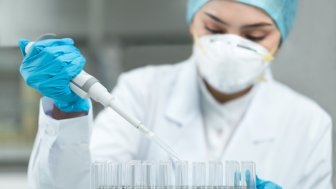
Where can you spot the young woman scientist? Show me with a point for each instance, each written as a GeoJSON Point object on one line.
{"type": "Point", "coordinates": [221, 104]}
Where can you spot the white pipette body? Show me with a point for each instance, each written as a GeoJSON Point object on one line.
{"type": "Point", "coordinates": [85, 86]}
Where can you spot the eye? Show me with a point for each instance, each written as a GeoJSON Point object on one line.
{"type": "Point", "coordinates": [255, 38]}
{"type": "Point", "coordinates": [213, 31]}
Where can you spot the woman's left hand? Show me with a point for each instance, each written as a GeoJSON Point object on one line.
{"type": "Point", "coordinates": [262, 184]}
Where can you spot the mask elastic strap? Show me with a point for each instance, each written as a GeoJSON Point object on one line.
{"type": "Point", "coordinates": [267, 59]}
{"type": "Point", "coordinates": [270, 57]}
{"type": "Point", "coordinates": [197, 42]}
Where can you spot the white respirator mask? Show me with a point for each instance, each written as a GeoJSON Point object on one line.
{"type": "Point", "coordinates": [230, 63]}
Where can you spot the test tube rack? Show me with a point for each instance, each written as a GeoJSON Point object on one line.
{"type": "Point", "coordinates": [173, 175]}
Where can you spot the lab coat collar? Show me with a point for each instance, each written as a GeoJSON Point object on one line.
{"type": "Point", "coordinates": [184, 102]}
{"type": "Point", "coordinates": [259, 121]}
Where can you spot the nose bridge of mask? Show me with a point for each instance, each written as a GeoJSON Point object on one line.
{"type": "Point", "coordinates": [257, 48]}
{"type": "Point", "coordinates": [267, 56]}
{"type": "Point", "coordinates": [234, 40]}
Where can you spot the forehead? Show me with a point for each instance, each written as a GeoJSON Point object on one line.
{"type": "Point", "coordinates": [235, 13]}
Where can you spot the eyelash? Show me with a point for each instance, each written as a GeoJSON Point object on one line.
{"type": "Point", "coordinates": [256, 39]}
{"type": "Point", "coordinates": [213, 31]}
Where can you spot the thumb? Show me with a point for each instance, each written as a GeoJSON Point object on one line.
{"type": "Point", "coordinates": [258, 181]}
{"type": "Point", "coordinates": [22, 46]}
{"type": "Point", "coordinates": [261, 184]}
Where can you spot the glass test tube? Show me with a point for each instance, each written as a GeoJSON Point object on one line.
{"type": "Point", "coordinates": [163, 175]}
{"type": "Point", "coordinates": [107, 172]}
{"type": "Point", "coordinates": [109, 175]}
{"type": "Point", "coordinates": [181, 175]}
{"type": "Point", "coordinates": [248, 170]}
{"type": "Point", "coordinates": [215, 174]}
{"type": "Point", "coordinates": [232, 171]}
{"type": "Point", "coordinates": [115, 176]}
{"type": "Point", "coordinates": [148, 174]}
{"type": "Point", "coordinates": [94, 176]}
{"type": "Point", "coordinates": [102, 175]}
{"type": "Point", "coordinates": [132, 176]}
{"type": "Point", "coordinates": [198, 175]}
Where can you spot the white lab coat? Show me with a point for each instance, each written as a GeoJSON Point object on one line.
{"type": "Point", "coordinates": [285, 133]}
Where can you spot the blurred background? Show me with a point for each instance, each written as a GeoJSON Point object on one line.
{"type": "Point", "coordinates": [119, 35]}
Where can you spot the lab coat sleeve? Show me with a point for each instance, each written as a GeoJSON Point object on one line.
{"type": "Point", "coordinates": [60, 158]}
{"type": "Point", "coordinates": [318, 172]}
{"type": "Point", "coordinates": [64, 149]}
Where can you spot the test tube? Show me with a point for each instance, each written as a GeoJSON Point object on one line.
{"type": "Point", "coordinates": [110, 175]}
{"type": "Point", "coordinates": [232, 172]}
{"type": "Point", "coordinates": [102, 174]}
{"type": "Point", "coordinates": [181, 175]}
{"type": "Point", "coordinates": [115, 175]}
{"type": "Point", "coordinates": [132, 175]}
{"type": "Point", "coordinates": [215, 175]}
{"type": "Point", "coordinates": [94, 176]}
{"type": "Point", "coordinates": [248, 170]}
{"type": "Point", "coordinates": [148, 174]}
{"type": "Point", "coordinates": [198, 175]}
{"type": "Point", "coordinates": [163, 173]}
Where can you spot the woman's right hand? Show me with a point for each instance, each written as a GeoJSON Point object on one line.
{"type": "Point", "coordinates": [49, 67]}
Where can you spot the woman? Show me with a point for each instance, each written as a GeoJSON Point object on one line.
{"type": "Point", "coordinates": [221, 104]}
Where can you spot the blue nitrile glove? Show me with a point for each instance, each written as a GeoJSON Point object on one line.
{"type": "Point", "coordinates": [261, 184]}
{"type": "Point", "coordinates": [49, 67]}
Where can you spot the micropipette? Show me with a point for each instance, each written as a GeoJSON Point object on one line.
{"type": "Point", "coordinates": [85, 86]}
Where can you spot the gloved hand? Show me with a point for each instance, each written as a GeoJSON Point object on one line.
{"type": "Point", "coordinates": [49, 67]}
{"type": "Point", "coordinates": [261, 184]}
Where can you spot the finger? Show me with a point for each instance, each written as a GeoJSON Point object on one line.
{"type": "Point", "coordinates": [237, 178]}
{"type": "Point", "coordinates": [37, 71]}
{"type": "Point", "coordinates": [38, 46]}
{"type": "Point", "coordinates": [61, 63]}
{"type": "Point", "coordinates": [76, 66]}
{"type": "Point", "coordinates": [22, 46]}
{"type": "Point", "coordinates": [54, 42]}
{"type": "Point", "coordinates": [248, 179]}
{"type": "Point", "coordinates": [48, 54]}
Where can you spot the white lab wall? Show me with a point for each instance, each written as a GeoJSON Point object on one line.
{"type": "Point", "coordinates": [28, 18]}
{"type": "Point", "coordinates": [82, 18]}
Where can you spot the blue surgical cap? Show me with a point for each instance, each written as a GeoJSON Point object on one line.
{"type": "Point", "coordinates": [282, 12]}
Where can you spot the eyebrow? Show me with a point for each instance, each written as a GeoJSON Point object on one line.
{"type": "Point", "coordinates": [215, 18]}
{"type": "Point", "coordinates": [250, 26]}
{"type": "Point", "coordinates": [257, 25]}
